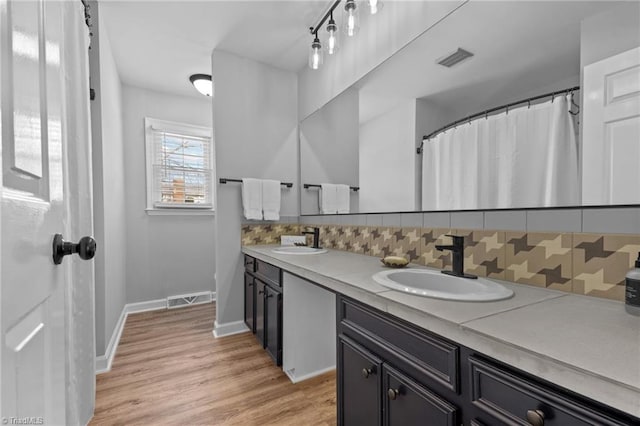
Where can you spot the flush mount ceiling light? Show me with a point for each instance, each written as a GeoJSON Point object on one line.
{"type": "Point", "coordinates": [202, 83]}
{"type": "Point", "coordinates": [350, 23]}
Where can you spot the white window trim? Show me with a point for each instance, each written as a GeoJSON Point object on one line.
{"type": "Point", "coordinates": [185, 129]}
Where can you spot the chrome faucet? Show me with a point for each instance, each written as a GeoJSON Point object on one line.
{"type": "Point", "coordinates": [316, 236]}
{"type": "Point", "coordinates": [457, 253]}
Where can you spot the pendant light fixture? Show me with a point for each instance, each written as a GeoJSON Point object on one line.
{"type": "Point", "coordinates": [315, 53]}
{"type": "Point", "coordinates": [350, 23]}
{"type": "Point", "coordinates": [202, 83]}
{"type": "Point", "coordinates": [374, 6]}
{"type": "Point", "coordinates": [351, 18]}
{"type": "Point", "coordinates": [332, 41]}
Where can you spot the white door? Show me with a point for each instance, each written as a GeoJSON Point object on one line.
{"type": "Point", "coordinates": [611, 130]}
{"type": "Point", "coordinates": [46, 310]}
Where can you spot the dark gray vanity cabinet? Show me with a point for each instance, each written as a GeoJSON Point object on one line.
{"type": "Point", "coordinates": [260, 318]}
{"type": "Point", "coordinates": [273, 323]}
{"type": "Point", "coordinates": [249, 293]}
{"type": "Point", "coordinates": [393, 373]}
{"type": "Point", "coordinates": [387, 372]}
{"type": "Point", "coordinates": [359, 385]}
{"type": "Point", "coordinates": [500, 395]}
{"type": "Point", "coordinates": [250, 302]}
{"type": "Point", "coordinates": [408, 402]}
{"type": "Point", "coordinates": [263, 305]}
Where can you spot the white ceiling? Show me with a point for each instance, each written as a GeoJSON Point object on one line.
{"type": "Point", "coordinates": [520, 47]}
{"type": "Point", "coordinates": [159, 44]}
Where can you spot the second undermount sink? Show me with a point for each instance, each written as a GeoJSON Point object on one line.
{"type": "Point", "coordinates": [298, 250]}
{"type": "Point", "coordinates": [424, 282]}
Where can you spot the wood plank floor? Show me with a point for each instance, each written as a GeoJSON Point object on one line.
{"type": "Point", "coordinates": [170, 370]}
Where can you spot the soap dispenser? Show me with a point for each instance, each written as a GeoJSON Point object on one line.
{"type": "Point", "coordinates": [632, 290]}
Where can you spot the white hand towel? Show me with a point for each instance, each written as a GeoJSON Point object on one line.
{"type": "Point", "coordinates": [343, 198]}
{"type": "Point", "coordinates": [271, 199]}
{"type": "Point", "coordinates": [252, 198]}
{"type": "Point", "coordinates": [328, 198]}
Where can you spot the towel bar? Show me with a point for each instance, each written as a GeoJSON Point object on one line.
{"type": "Point", "coordinates": [314, 185]}
{"type": "Point", "coordinates": [225, 180]}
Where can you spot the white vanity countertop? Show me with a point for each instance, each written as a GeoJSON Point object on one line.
{"type": "Point", "coordinates": [584, 344]}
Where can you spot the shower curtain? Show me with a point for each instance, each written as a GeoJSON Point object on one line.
{"type": "Point", "coordinates": [526, 157]}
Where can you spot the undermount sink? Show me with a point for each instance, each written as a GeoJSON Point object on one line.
{"type": "Point", "coordinates": [427, 283]}
{"type": "Point", "coordinates": [298, 250]}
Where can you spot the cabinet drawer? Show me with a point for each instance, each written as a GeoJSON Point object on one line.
{"type": "Point", "coordinates": [269, 273]}
{"type": "Point", "coordinates": [249, 263]}
{"type": "Point", "coordinates": [414, 350]}
{"type": "Point", "coordinates": [511, 398]}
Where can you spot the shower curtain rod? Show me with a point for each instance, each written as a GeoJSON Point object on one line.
{"type": "Point", "coordinates": [489, 111]}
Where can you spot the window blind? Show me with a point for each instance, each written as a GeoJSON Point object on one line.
{"type": "Point", "coordinates": [181, 170]}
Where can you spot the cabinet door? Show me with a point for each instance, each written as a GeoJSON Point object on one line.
{"type": "Point", "coordinates": [249, 302]}
{"type": "Point", "coordinates": [359, 385]}
{"type": "Point", "coordinates": [409, 403]}
{"type": "Point", "coordinates": [273, 323]}
{"type": "Point", "coordinates": [259, 311]}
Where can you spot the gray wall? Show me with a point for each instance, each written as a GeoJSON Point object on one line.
{"type": "Point", "coordinates": [166, 255]}
{"type": "Point", "coordinates": [387, 160]}
{"type": "Point", "coordinates": [329, 149]}
{"type": "Point", "coordinates": [108, 185]}
{"type": "Point", "coordinates": [254, 110]}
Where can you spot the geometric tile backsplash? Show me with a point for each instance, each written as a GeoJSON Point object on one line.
{"type": "Point", "coordinates": [588, 264]}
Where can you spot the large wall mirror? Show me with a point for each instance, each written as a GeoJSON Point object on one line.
{"type": "Point", "coordinates": [570, 73]}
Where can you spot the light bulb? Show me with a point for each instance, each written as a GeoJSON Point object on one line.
{"type": "Point", "coordinates": [332, 41]}
{"type": "Point", "coordinates": [351, 18]}
{"type": "Point", "coordinates": [315, 54]}
{"type": "Point", "coordinates": [332, 44]}
{"type": "Point", "coordinates": [374, 6]}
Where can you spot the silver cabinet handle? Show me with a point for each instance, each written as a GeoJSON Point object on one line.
{"type": "Point", "coordinates": [535, 417]}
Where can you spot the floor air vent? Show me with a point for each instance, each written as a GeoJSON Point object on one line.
{"type": "Point", "coordinates": [455, 58]}
{"type": "Point", "coordinates": [188, 300]}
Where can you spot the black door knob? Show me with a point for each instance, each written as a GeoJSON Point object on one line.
{"type": "Point", "coordinates": [86, 248]}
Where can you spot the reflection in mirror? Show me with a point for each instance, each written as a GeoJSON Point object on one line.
{"type": "Point", "coordinates": [329, 150]}
{"type": "Point", "coordinates": [541, 153]}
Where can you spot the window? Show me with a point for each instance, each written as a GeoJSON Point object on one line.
{"type": "Point", "coordinates": [179, 166]}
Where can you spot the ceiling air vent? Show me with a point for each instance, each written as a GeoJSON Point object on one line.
{"type": "Point", "coordinates": [456, 57]}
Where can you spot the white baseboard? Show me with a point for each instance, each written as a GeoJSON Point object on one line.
{"type": "Point", "coordinates": [149, 305]}
{"type": "Point", "coordinates": [296, 379]}
{"type": "Point", "coordinates": [103, 362]}
{"type": "Point", "coordinates": [229, 329]}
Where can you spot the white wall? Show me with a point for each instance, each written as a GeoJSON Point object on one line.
{"type": "Point", "coordinates": [256, 135]}
{"type": "Point", "coordinates": [329, 149]}
{"type": "Point", "coordinates": [387, 160]}
{"type": "Point", "coordinates": [609, 33]}
{"type": "Point", "coordinates": [166, 255]}
{"type": "Point", "coordinates": [380, 36]}
{"type": "Point", "coordinates": [108, 185]}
